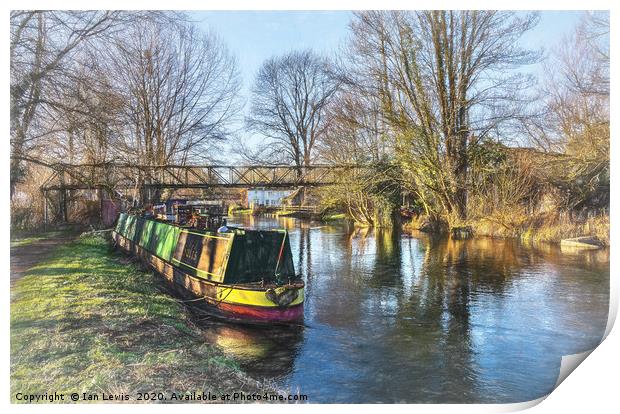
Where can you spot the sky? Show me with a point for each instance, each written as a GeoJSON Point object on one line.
{"type": "Point", "coordinates": [254, 36]}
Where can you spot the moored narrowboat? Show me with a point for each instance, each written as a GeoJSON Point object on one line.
{"type": "Point", "coordinates": [237, 274]}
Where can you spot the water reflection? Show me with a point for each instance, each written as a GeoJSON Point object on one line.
{"type": "Point", "coordinates": [266, 352]}
{"type": "Point", "coordinates": [394, 317]}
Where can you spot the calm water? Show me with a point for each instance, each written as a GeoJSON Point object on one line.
{"type": "Point", "coordinates": [394, 317]}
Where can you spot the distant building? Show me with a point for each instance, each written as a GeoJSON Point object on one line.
{"type": "Point", "coordinates": [267, 197]}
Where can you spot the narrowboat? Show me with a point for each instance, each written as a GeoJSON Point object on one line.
{"type": "Point", "coordinates": [238, 274]}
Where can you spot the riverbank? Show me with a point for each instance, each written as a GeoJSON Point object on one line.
{"type": "Point", "coordinates": [541, 228]}
{"type": "Point", "coordinates": [88, 320]}
{"type": "Point", "coordinates": [275, 212]}
{"type": "Point", "coordinates": [548, 228]}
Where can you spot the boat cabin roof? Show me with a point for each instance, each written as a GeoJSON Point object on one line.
{"type": "Point", "coordinates": [238, 256]}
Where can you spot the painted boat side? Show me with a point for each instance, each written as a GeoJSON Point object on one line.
{"type": "Point", "coordinates": [241, 303]}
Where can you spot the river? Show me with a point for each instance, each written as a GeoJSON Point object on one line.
{"type": "Point", "coordinates": [395, 317]}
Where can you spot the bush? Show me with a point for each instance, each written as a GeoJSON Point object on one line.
{"type": "Point", "coordinates": [548, 227]}
{"type": "Point", "coordinates": [370, 198]}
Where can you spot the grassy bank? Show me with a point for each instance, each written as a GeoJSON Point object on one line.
{"type": "Point", "coordinates": [548, 228]}
{"type": "Point", "coordinates": [83, 321]}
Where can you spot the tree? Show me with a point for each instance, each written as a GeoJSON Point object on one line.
{"type": "Point", "coordinates": [180, 89]}
{"type": "Point", "coordinates": [447, 81]}
{"type": "Point", "coordinates": [354, 135]}
{"type": "Point", "coordinates": [576, 115]}
{"type": "Point", "coordinates": [42, 46]}
{"type": "Point", "coordinates": [83, 124]}
{"type": "Point", "coordinates": [99, 87]}
{"type": "Point", "coordinates": [290, 98]}
{"type": "Point", "coordinates": [353, 130]}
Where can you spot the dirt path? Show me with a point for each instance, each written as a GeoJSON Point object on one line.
{"type": "Point", "coordinates": [27, 256]}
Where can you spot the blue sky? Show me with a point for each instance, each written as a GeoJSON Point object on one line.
{"type": "Point", "coordinates": [253, 36]}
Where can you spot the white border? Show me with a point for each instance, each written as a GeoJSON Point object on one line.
{"type": "Point", "coordinates": [590, 388]}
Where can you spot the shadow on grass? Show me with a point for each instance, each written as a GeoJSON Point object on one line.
{"type": "Point", "coordinates": [83, 321]}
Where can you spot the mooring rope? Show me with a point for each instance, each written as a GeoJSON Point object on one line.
{"type": "Point", "coordinates": [193, 300]}
{"type": "Point", "coordinates": [230, 289]}
{"type": "Point", "coordinates": [275, 272]}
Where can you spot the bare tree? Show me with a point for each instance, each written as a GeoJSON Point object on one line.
{"type": "Point", "coordinates": [576, 121]}
{"type": "Point", "coordinates": [42, 46]}
{"type": "Point", "coordinates": [289, 101]}
{"type": "Point", "coordinates": [96, 87]}
{"type": "Point", "coordinates": [591, 48]}
{"type": "Point", "coordinates": [180, 89]}
{"type": "Point", "coordinates": [447, 81]}
{"type": "Point", "coordinates": [85, 119]}
{"type": "Point", "coordinates": [353, 131]}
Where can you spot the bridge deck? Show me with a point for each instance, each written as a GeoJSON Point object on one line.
{"type": "Point", "coordinates": [125, 176]}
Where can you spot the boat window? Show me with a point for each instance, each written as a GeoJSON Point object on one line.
{"type": "Point", "coordinates": [255, 256]}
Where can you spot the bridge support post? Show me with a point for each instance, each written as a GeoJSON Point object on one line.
{"type": "Point", "coordinates": [63, 205]}
{"type": "Point", "coordinates": [45, 211]}
{"type": "Point", "coordinates": [100, 196]}
{"type": "Point", "coordinates": [62, 196]}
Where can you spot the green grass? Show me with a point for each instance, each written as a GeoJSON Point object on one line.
{"type": "Point", "coordinates": [83, 321]}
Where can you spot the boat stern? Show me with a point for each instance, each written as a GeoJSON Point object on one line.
{"type": "Point", "coordinates": [283, 304]}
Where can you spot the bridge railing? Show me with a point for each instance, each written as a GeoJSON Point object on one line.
{"type": "Point", "coordinates": [300, 209]}
{"type": "Point", "coordinates": [112, 175]}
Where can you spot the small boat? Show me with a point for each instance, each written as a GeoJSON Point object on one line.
{"type": "Point", "coordinates": [236, 274]}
